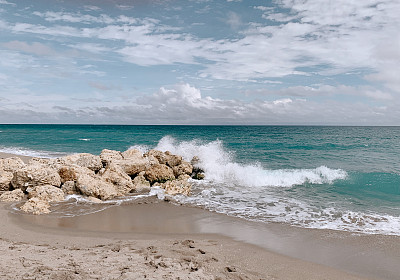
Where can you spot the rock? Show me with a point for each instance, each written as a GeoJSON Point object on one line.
{"type": "Point", "coordinates": [177, 187]}
{"type": "Point", "coordinates": [160, 156]}
{"type": "Point", "coordinates": [140, 184]}
{"type": "Point", "coordinates": [116, 176]}
{"type": "Point", "coordinates": [35, 175]}
{"type": "Point", "coordinates": [44, 161]}
{"type": "Point", "coordinates": [36, 206]}
{"type": "Point", "coordinates": [90, 161]}
{"type": "Point", "coordinates": [67, 173]}
{"type": "Point", "coordinates": [197, 173]}
{"type": "Point", "coordinates": [165, 158]}
{"type": "Point", "coordinates": [108, 156]}
{"type": "Point", "coordinates": [69, 188]}
{"type": "Point", "coordinates": [54, 163]}
{"type": "Point", "coordinates": [93, 186]}
{"type": "Point", "coordinates": [46, 193]}
{"type": "Point", "coordinates": [72, 172]}
{"type": "Point", "coordinates": [184, 177]}
{"type": "Point", "coordinates": [5, 180]}
{"type": "Point", "coordinates": [132, 153]}
{"type": "Point", "coordinates": [11, 164]}
{"type": "Point", "coordinates": [159, 173]}
{"type": "Point", "coordinates": [195, 160]}
{"type": "Point", "coordinates": [198, 176]}
{"type": "Point", "coordinates": [93, 199]}
{"type": "Point", "coordinates": [134, 166]}
{"type": "Point", "coordinates": [15, 195]}
{"type": "Point", "coordinates": [173, 160]}
{"type": "Point", "coordinates": [184, 168]}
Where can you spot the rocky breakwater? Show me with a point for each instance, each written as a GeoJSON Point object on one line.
{"type": "Point", "coordinates": [110, 175]}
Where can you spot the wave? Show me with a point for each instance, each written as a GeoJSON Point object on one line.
{"type": "Point", "coordinates": [300, 197]}
{"type": "Point", "coordinates": [31, 153]}
{"type": "Point", "coordinates": [220, 167]}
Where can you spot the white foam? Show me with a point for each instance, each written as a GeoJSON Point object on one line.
{"type": "Point", "coordinates": [255, 193]}
{"type": "Point", "coordinates": [157, 191]}
{"type": "Point", "coordinates": [31, 153]}
{"type": "Point", "coordinates": [220, 167]}
{"type": "Point", "coordinates": [84, 139]}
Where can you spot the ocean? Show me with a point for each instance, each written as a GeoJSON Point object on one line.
{"type": "Point", "coordinates": [323, 177]}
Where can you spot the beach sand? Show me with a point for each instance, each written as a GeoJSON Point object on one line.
{"type": "Point", "coordinates": [153, 239]}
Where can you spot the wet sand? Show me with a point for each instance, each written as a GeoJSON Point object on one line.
{"type": "Point", "coordinates": [158, 240]}
{"type": "Point", "coordinates": [370, 256]}
{"type": "Point", "coordinates": [7, 155]}
{"type": "Point", "coordinates": [167, 242]}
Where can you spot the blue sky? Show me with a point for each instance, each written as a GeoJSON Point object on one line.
{"type": "Point", "coordinates": [200, 62]}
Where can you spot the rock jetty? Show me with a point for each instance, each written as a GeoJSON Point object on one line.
{"type": "Point", "coordinates": [110, 175]}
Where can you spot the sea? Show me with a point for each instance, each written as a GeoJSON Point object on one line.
{"type": "Point", "coordinates": [321, 177]}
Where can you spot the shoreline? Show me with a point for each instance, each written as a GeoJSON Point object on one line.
{"type": "Point", "coordinates": [242, 248]}
{"type": "Point", "coordinates": [374, 256]}
{"type": "Point", "coordinates": [214, 256]}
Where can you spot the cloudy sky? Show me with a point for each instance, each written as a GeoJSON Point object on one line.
{"type": "Point", "coordinates": [200, 62]}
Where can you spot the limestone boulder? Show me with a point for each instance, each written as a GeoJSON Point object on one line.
{"type": "Point", "coordinates": [46, 193]}
{"type": "Point", "coordinates": [95, 187]}
{"type": "Point", "coordinates": [160, 156]}
{"type": "Point", "coordinates": [15, 195]}
{"type": "Point", "coordinates": [11, 164]}
{"type": "Point", "coordinates": [54, 163]}
{"type": "Point", "coordinates": [159, 173]}
{"type": "Point", "coordinates": [183, 177]}
{"type": "Point", "coordinates": [5, 180]}
{"type": "Point", "coordinates": [67, 173]}
{"type": "Point", "coordinates": [93, 199]}
{"type": "Point", "coordinates": [89, 161]}
{"type": "Point", "coordinates": [36, 206]}
{"type": "Point", "coordinates": [115, 175]}
{"type": "Point", "coordinates": [177, 187]}
{"type": "Point", "coordinates": [165, 158]}
{"type": "Point", "coordinates": [140, 184]}
{"type": "Point", "coordinates": [72, 172]}
{"type": "Point", "coordinates": [35, 175]}
{"type": "Point", "coordinates": [69, 188]}
{"type": "Point", "coordinates": [173, 160]}
{"type": "Point", "coordinates": [195, 160]}
{"type": "Point", "coordinates": [43, 161]}
{"type": "Point", "coordinates": [132, 153]}
{"type": "Point", "coordinates": [108, 156]}
{"type": "Point", "coordinates": [198, 175]}
{"type": "Point", "coordinates": [133, 166]}
{"type": "Point", "coordinates": [182, 169]}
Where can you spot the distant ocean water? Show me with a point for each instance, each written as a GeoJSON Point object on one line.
{"type": "Point", "coordinates": [341, 178]}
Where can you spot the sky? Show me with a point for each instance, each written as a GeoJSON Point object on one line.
{"type": "Point", "coordinates": [283, 62]}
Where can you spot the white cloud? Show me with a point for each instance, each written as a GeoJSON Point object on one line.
{"type": "Point", "coordinates": [92, 8]}
{"type": "Point", "coordinates": [125, 7]}
{"type": "Point", "coordinates": [234, 20]}
{"type": "Point", "coordinates": [184, 104]}
{"type": "Point", "coordinates": [4, 2]}
{"type": "Point", "coordinates": [75, 17]}
{"type": "Point", "coordinates": [326, 91]}
{"type": "Point", "coordinates": [33, 48]}
{"type": "Point", "coordinates": [331, 38]}
{"type": "Point", "coordinates": [91, 47]}
{"type": "Point", "coordinates": [337, 37]}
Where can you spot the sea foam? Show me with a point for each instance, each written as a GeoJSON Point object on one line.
{"type": "Point", "coordinates": [220, 166]}
{"type": "Point", "coordinates": [30, 153]}
{"type": "Point", "coordinates": [253, 192]}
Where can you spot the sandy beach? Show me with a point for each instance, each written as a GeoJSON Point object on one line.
{"type": "Point", "coordinates": [153, 239]}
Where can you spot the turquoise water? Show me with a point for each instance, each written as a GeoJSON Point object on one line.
{"type": "Point", "coordinates": [344, 178]}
